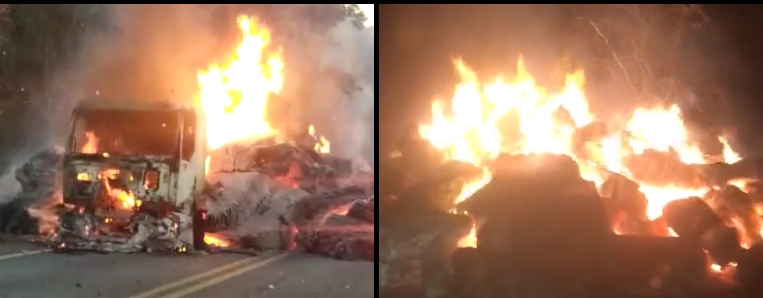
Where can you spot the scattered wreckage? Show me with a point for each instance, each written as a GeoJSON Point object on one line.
{"type": "Point", "coordinates": [535, 240]}
{"type": "Point", "coordinates": [166, 193]}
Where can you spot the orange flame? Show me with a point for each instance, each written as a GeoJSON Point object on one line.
{"type": "Point", "coordinates": [516, 116]}
{"type": "Point", "coordinates": [234, 97]}
{"type": "Point", "coordinates": [91, 143]}
{"type": "Point", "coordinates": [322, 145]}
{"type": "Point", "coordinates": [126, 198]}
{"type": "Point", "coordinates": [215, 241]}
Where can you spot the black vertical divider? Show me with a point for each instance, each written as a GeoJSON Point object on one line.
{"type": "Point", "coordinates": [376, 148]}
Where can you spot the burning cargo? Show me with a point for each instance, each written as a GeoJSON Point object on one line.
{"type": "Point", "coordinates": [555, 202]}
{"type": "Point", "coordinates": [557, 240]}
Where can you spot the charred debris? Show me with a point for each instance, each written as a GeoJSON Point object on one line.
{"type": "Point", "coordinates": [543, 231]}
{"type": "Point", "coordinates": [333, 216]}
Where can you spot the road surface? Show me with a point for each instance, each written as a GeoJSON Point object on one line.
{"type": "Point", "coordinates": [26, 271]}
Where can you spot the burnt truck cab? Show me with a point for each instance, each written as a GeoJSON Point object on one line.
{"type": "Point", "coordinates": [126, 156]}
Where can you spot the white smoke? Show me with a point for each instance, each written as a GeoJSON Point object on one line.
{"type": "Point", "coordinates": [9, 187]}
{"type": "Point", "coordinates": [153, 52]}
{"type": "Point", "coordinates": [353, 53]}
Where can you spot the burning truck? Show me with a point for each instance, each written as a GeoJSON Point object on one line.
{"type": "Point", "coordinates": [123, 189]}
{"type": "Point", "coordinates": [522, 191]}
{"type": "Point", "coordinates": [218, 173]}
{"type": "Point", "coordinates": [128, 159]}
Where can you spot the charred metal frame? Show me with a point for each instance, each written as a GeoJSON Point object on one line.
{"type": "Point", "coordinates": [180, 175]}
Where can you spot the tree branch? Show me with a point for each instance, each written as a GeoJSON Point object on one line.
{"type": "Point", "coordinates": [613, 52]}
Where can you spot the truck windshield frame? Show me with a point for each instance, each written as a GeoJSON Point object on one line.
{"type": "Point", "coordinates": [125, 132]}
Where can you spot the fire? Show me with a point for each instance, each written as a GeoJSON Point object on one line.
{"type": "Point", "coordinates": [728, 154]}
{"type": "Point", "coordinates": [126, 198]}
{"type": "Point", "coordinates": [91, 143]}
{"type": "Point", "coordinates": [322, 145]}
{"type": "Point", "coordinates": [234, 96]}
{"type": "Point", "coordinates": [473, 133]}
{"type": "Point", "coordinates": [514, 115]}
{"type": "Point", "coordinates": [215, 241]}
{"type": "Point", "coordinates": [723, 270]}
{"type": "Point", "coordinates": [473, 186]}
{"type": "Point", "coordinates": [470, 240]}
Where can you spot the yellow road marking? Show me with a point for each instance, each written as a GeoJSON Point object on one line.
{"type": "Point", "coordinates": [220, 278]}
{"type": "Point", "coordinates": [213, 272]}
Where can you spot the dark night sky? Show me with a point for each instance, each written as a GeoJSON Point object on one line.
{"type": "Point", "coordinates": [417, 42]}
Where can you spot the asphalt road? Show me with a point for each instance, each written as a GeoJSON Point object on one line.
{"type": "Point", "coordinates": [27, 272]}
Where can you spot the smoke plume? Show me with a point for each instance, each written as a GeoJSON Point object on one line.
{"type": "Point", "coordinates": [354, 53]}
{"type": "Point", "coordinates": [153, 53]}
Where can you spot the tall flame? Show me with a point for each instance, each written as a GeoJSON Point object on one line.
{"type": "Point", "coordinates": [234, 97]}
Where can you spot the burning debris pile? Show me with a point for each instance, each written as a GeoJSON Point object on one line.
{"type": "Point", "coordinates": [40, 189]}
{"type": "Point", "coordinates": [536, 197]}
{"type": "Point", "coordinates": [290, 163]}
{"type": "Point", "coordinates": [276, 195]}
{"type": "Point", "coordinates": [260, 207]}
{"type": "Point", "coordinates": [537, 215]}
{"type": "Point", "coordinates": [287, 197]}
